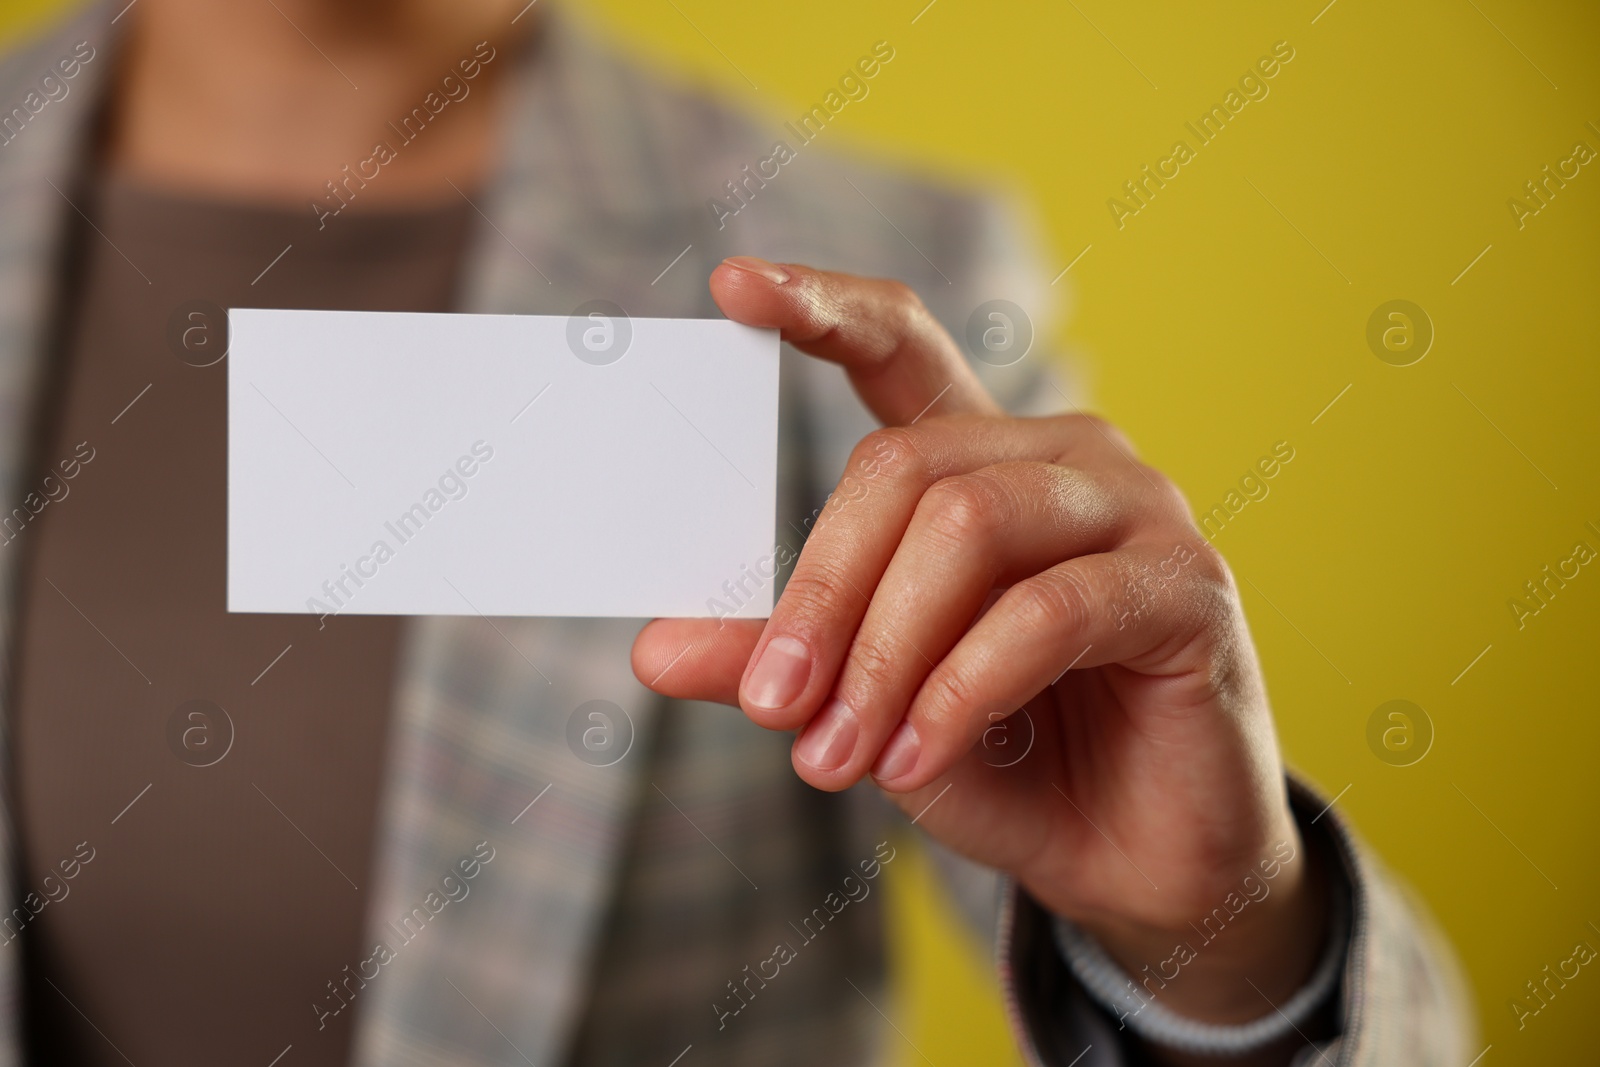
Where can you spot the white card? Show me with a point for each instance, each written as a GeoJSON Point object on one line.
{"type": "Point", "coordinates": [382, 463]}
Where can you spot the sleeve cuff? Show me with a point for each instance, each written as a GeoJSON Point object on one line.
{"type": "Point", "coordinates": [1399, 999]}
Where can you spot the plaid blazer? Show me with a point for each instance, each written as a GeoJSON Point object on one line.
{"type": "Point", "coordinates": [624, 901]}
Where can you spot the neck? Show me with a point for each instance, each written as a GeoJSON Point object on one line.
{"type": "Point", "coordinates": [271, 102]}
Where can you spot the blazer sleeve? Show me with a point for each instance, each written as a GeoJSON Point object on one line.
{"type": "Point", "coordinates": [1401, 998]}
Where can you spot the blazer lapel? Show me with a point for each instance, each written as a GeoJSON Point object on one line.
{"type": "Point", "coordinates": [37, 167]}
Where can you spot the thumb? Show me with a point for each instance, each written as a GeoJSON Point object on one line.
{"type": "Point", "coordinates": [696, 659]}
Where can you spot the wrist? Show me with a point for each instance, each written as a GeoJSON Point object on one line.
{"type": "Point", "coordinates": [1234, 960]}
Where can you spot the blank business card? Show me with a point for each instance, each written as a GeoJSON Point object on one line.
{"type": "Point", "coordinates": [383, 463]}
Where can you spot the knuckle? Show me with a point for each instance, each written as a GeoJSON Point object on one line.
{"type": "Point", "coordinates": [963, 510]}
{"type": "Point", "coordinates": [892, 452]}
{"type": "Point", "coordinates": [1211, 588]}
{"type": "Point", "coordinates": [1104, 429]}
{"type": "Point", "coordinates": [873, 663]}
{"type": "Point", "coordinates": [1169, 497]}
{"type": "Point", "coordinates": [910, 315]}
{"type": "Point", "coordinates": [903, 299]}
{"type": "Point", "coordinates": [1208, 563]}
{"type": "Point", "coordinates": [813, 595]}
{"type": "Point", "coordinates": [1057, 601]}
{"type": "Point", "coordinates": [946, 695]}
{"type": "Point", "coordinates": [1085, 495]}
{"type": "Point", "coordinates": [1213, 569]}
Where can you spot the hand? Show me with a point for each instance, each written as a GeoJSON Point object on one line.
{"type": "Point", "coordinates": [987, 564]}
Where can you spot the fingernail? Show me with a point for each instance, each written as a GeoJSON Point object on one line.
{"type": "Point", "coordinates": [899, 756]}
{"type": "Point", "coordinates": [780, 674]}
{"type": "Point", "coordinates": [827, 743]}
{"type": "Point", "coordinates": [770, 271]}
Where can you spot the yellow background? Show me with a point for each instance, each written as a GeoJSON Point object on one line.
{"type": "Point", "coordinates": [1224, 318]}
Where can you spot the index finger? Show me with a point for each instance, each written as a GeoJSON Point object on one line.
{"type": "Point", "coordinates": [901, 362]}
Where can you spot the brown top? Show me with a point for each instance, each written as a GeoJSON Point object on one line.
{"type": "Point", "coordinates": [196, 791]}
